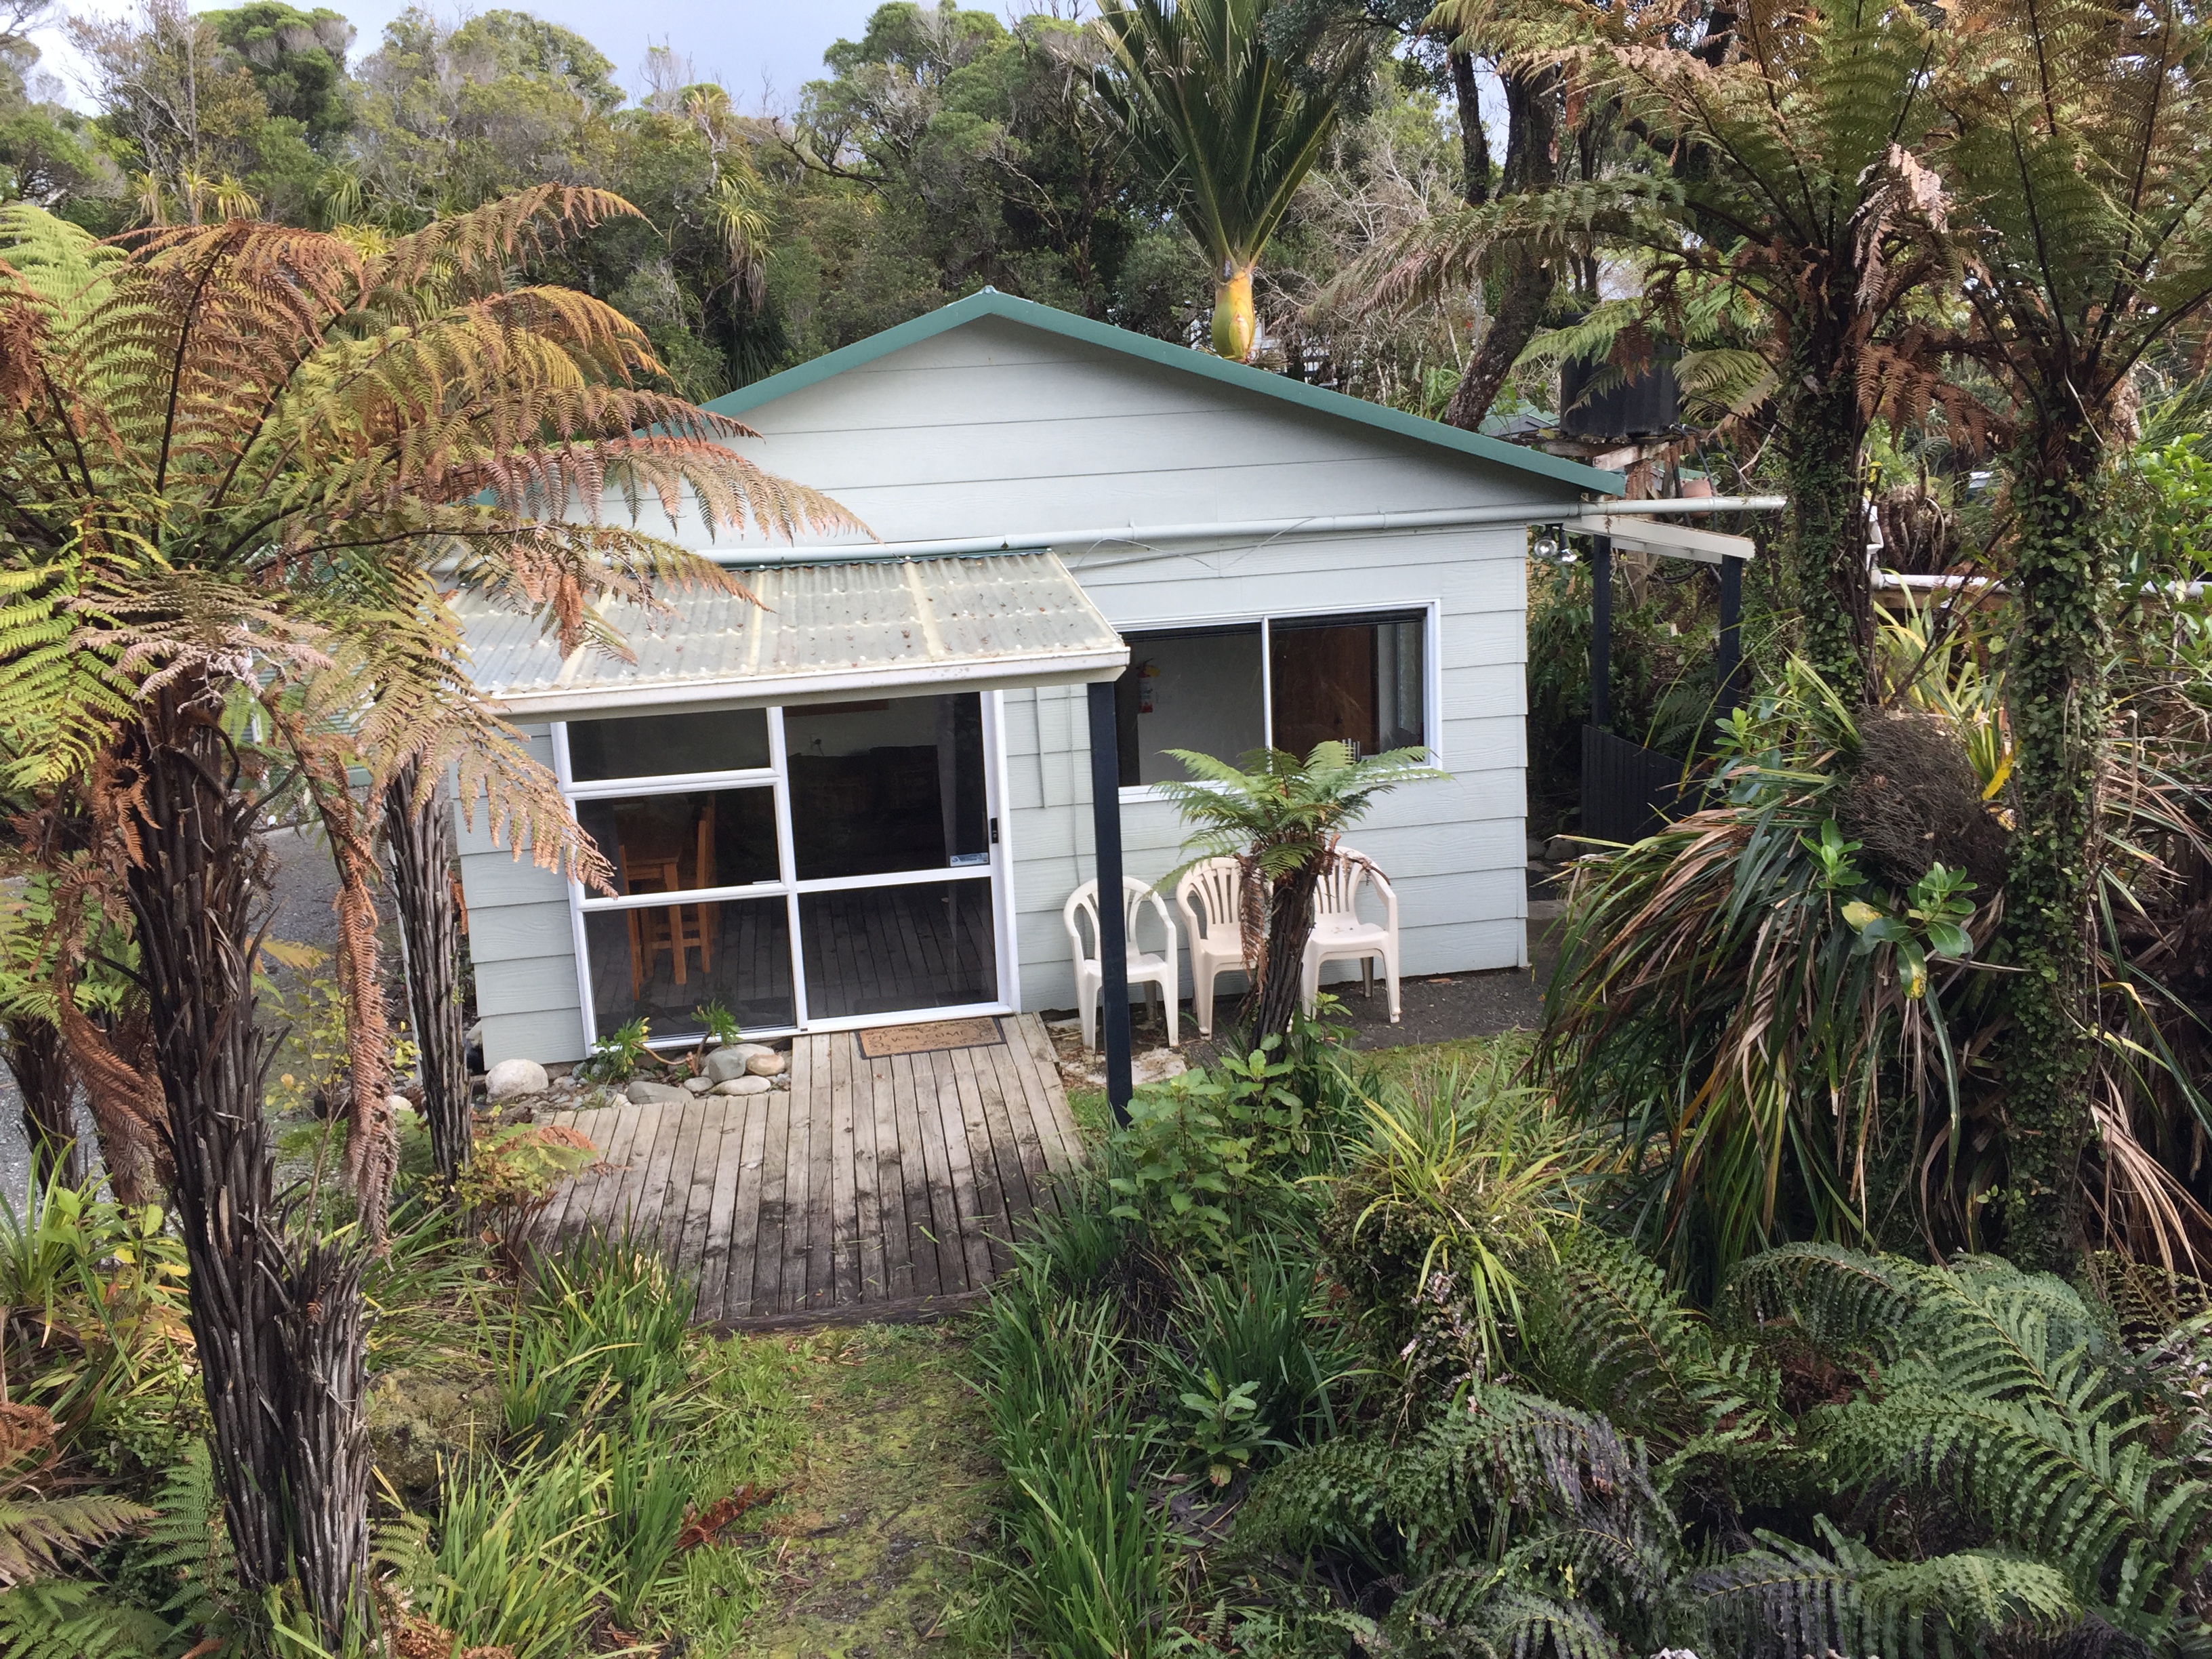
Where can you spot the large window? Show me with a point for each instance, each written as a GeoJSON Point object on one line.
{"type": "Point", "coordinates": [1284, 682]}
{"type": "Point", "coordinates": [791, 865]}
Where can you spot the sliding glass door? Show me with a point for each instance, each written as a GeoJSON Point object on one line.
{"type": "Point", "coordinates": [794, 867]}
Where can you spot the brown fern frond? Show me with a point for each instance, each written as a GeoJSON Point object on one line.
{"type": "Point", "coordinates": [127, 1105]}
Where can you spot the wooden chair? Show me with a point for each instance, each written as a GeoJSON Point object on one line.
{"type": "Point", "coordinates": [1207, 896]}
{"type": "Point", "coordinates": [647, 866]}
{"type": "Point", "coordinates": [1159, 972]}
{"type": "Point", "coordinates": [1340, 934]}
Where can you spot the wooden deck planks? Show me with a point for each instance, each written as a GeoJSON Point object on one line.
{"type": "Point", "coordinates": [866, 1182]}
{"type": "Point", "coordinates": [825, 1220]}
{"type": "Point", "coordinates": [721, 1204]}
{"type": "Point", "coordinates": [744, 1226]}
{"type": "Point", "coordinates": [689, 1238]}
{"type": "Point", "coordinates": [769, 1224]}
{"type": "Point", "coordinates": [891, 1185]}
{"type": "Point", "coordinates": [960, 1169]}
{"type": "Point", "coordinates": [943, 1210]}
{"type": "Point", "coordinates": [994, 1224]}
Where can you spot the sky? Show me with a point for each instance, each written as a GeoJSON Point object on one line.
{"type": "Point", "coordinates": [762, 50]}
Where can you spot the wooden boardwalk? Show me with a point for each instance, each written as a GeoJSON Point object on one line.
{"type": "Point", "coordinates": [869, 1183]}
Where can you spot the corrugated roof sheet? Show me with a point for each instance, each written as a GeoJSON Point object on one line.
{"type": "Point", "coordinates": [820, 630]}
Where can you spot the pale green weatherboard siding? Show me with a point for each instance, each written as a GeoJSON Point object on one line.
{"type": "Point", "coordinates": [993, 427]}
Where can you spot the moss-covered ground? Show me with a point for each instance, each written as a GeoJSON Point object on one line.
{"type": "Point", "coordinates": [878, 1545]}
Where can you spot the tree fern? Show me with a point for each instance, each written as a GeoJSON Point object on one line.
{"type": "Point", "coordinates": [1996, 1385]}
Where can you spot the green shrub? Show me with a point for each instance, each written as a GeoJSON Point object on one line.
{"type": "Point", "coordinates": [516, 1557]}
{"type": "Point", "coordinates": [1456, 1188]}
{"type": "Point", "coordinates": [648, 1487]}
{"type": "Point", "coordinates": [1254, 1328]}
{"type": "Point", "coordinates": [1209, 1159]}
{"type": "Point", "coordinates": [607, 1318]}
{"type": "Point", "coordinates": [1982, 1467]}
{"type": "Point", "coordinates": [98, 1331]}
{"type": "Point", "coordinates": [1090, 1555]}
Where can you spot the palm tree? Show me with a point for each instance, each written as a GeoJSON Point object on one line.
{"type": "Point", "coordinates": [247, 470]}
{"type": "Point", "coordinates": [2074, 160]}
{"type": "Point", "coordinates": [1223, 128]}
{"type": "Point", "coordinates": [1280, 818]}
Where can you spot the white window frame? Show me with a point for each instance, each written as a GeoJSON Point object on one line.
{"type": "Point", "coordinates": [1432, 698]}
{"type": "Point", "coordinates": [775, 776]}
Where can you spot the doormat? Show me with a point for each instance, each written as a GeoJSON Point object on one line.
{"type": "Point", "coordinates": [881, 1041]}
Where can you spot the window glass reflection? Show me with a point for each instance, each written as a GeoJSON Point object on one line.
{"type": "Point", "coordinates": [663, 963]}
{"type": "Point", "coordinates": [886, 949]}
{"type": "Point", "coordinates": [665, 745]}
{"type": "Point", "coordinates": [673, 843]}
{"type": "Point", "coordinates": [889, 784]}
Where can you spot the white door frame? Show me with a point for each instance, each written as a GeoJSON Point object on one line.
{"type": "Point", "coordinates": [775, 776]}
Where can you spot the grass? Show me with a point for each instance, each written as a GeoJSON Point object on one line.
{"type": "Point", "coordinates": [888, 1504]}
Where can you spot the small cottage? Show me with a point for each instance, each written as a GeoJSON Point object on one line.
{"type": "Point", "coordinates": [867, 800]}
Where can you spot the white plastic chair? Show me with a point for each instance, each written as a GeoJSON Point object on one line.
{"type": "Point", "coordinates": [1158, 972]}
{"type": "Point", "coordinates": [1340, 934]}
{"type": "Point", "coordinates": [1207, 897]}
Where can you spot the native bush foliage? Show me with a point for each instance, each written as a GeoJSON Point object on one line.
{"type": "Point", "coordinates": [1999, 1393]}
{"type": "Point", "coordinates": [1791, 1001]}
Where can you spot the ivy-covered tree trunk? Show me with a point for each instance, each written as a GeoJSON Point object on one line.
{"type": "Point", "coordinates": [281, 1362]}
{"type": "Point", "coordinates": [1274, 1002]}
{"type": "Point", "coordinates": [421, 837]}
{"type": "Point", "coordinates": [47, 1082]}
{"type": "Point", "coordinates": [1821, 433]}
{"type": "Point", "coordinates": [2058, 699]}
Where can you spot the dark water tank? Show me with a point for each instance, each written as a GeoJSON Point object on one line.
{"type": "Point", "coordinates": [1641, 405]}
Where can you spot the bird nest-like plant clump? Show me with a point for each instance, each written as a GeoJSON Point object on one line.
{"type": "Point", "coordinates": [1914, 800]}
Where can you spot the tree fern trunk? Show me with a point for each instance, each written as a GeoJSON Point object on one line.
{"type": "Point", "coordinates": [326, 1451]}
{"type": "Point", "coordinates": [1821, 434]}
{"type": "Point", "coordinates": [1274, 1002]}
{"type": "Point", "coordinates": [47, 1082]}
{"type": "Point", "coordinates": [196, 891]}
{"type": "Point", "coordinates": [2058, 700]}
{"type": "Point", "coordinates": [420, 838]}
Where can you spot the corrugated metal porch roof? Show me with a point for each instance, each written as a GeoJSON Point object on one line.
{"type": "Point", "coordinates": [821, 632]}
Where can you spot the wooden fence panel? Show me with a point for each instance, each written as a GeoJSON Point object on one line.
{"type": "Point", "coordinates": [1629, 791]}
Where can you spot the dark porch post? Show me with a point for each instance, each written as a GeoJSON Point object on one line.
{"type": "Point", "coordinates": [1113, 933]}
{"type": "Point", "coordinates": [1731, 647]}
{"type": "Point", "coordinates": [1600, 713]}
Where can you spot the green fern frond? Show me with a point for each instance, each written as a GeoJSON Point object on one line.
{"type": "Point", "coordinates": [1609, 1335]}
{"type": "Point", "coordinates": [1332, 1495]}
{"type": "Point", "coordinates": [36, 1534]}
{"type": "Point", "coordinates": [53, 1618]}
{"type": "Point", "coordinates": [1783, 1599]}
{"type": "Point", "coordinates": [1490, 1613]}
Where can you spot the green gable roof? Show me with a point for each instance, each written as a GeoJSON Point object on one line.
{"type": "Point", "coordinates": [990, 303]}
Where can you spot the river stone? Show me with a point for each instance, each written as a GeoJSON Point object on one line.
{"type": "Point", "coordinates": [515, 1077]}
{"type": "Point", "coordinates": [642, 1093]}
{"type": "Point", "coordinates": [726, 1063]}
{"type": "Point", "coordinates": [698, 1085]}
{"type": "Point", "coordinates": [744, 1085]}
{"type": "Point", "coordinates": [770, 1064]}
